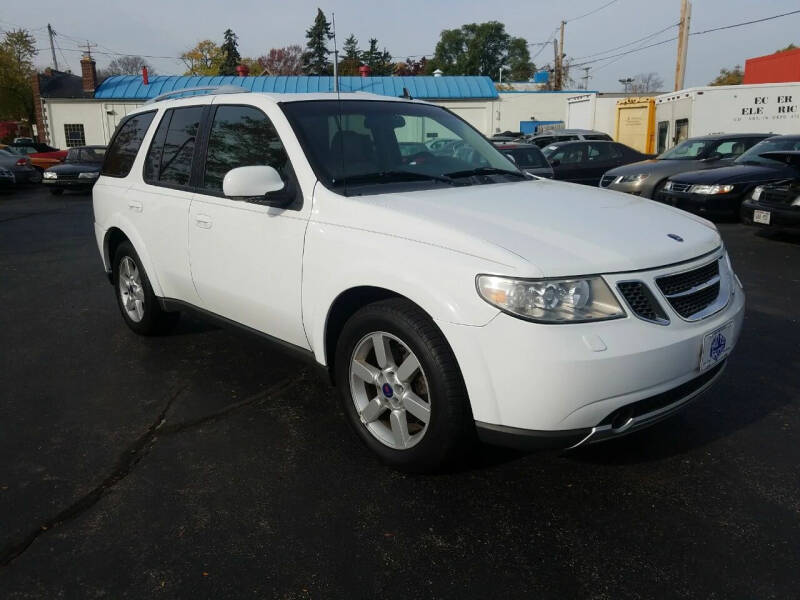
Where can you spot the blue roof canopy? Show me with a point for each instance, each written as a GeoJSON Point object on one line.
{"type": "Point", "coordinates": [467, 87]}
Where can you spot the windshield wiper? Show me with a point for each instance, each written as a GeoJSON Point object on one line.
{"type": "Point", "coordinates": [485, 171]}
{"type": "Point", "coordinates": [392, 176]}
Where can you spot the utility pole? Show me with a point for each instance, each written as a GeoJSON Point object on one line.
{"type": "Point", "coordinates": [586, 77]}
{"type": "Point", "coordinates": [683, 43]}
{"type": "Point", "coordinates": [559, 83]}
{"type": "Point", "coordinates": [555, 65]}
{"type": "Point", "coordinates": [52, 33]}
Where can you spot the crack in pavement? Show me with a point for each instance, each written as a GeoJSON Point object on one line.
{"type": "Point", "coordinates": [128, 460]}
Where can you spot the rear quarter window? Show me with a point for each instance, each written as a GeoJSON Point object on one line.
{"type": "Point", "coordinates": [125, 145]}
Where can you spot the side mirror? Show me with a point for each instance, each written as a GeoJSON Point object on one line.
{"type": "Point", "coordinates": [555, 162]}
{"type": "Point", "coordinates": [251, 182]}
{"type": "Point", "coordinates": [511, 158]}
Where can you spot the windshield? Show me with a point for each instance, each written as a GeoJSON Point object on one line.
{"type": "Point", "coordinates": [528, 158]}
{"type": "Point", "coordinates": [689, 150]}
{"type": "Point", "coordinates": [752, 156]}
{"type": "Point", "coordinates": [86, 155]}
{"type": "Point", "coordinates": [355, 145]}
{"type": "Point", "coordinates": [21, 150]}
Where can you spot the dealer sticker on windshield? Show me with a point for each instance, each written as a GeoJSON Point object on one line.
{"type": "Point", "coordinates": [761, 216]}
{"type": "Point", "coordinates": [716, 346]}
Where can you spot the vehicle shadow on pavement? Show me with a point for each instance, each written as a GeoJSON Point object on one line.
{"type": "Point", "coordinates": [746, 394]}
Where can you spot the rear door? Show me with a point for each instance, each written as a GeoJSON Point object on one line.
{"type": "Point", "coordinates": [247, 257]}
{"type": "Point", "coordinates": [163, 195]}
{"type": "Point", "coordinates": [571, 162]}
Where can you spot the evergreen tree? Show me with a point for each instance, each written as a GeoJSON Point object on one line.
{"type": "Point", "coordinates": [379, 62]}
{"type": "Point", "coordinates": [230, 54]}
{"type": "Point", "coordinates": [351, 60]}
{"type": "Point", "coordinates": [315, 58]}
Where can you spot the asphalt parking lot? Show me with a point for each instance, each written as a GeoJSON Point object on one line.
{"type": "Point", "coordinates": [209, 464]}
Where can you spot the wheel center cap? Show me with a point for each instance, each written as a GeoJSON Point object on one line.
{"type": "Point", "coordinates": [387, 390]}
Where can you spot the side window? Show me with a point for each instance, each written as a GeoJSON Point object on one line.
{"type": "Point", "coordinates": [73, 133]}
{"type": "Point", "coordinates": [241, 136]}
{"type": "Point", "coordinates": [663, 129]}
{"type": "Point", "coordinates": [681, 130]}
{"type": "Point", "coordinates": [176, 156]}
{"type": "Point", "coordinates": [125, 145]}
{"type": "Point", "coordinates": [603, 151]}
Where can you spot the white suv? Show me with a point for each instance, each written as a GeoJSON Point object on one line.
{"type": "Point", "coordinates": [447, 294]}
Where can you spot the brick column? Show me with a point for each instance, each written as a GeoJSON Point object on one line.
{"type": "Point", "coordinates": [88, 73]}
{"type": "Point", "coordinates": [41, 131]}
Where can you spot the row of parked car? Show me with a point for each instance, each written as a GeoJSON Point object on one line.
{"type": "Point", "coordinates": [29, 162]}
{"type": "Point", "coordinates": [753, 176]}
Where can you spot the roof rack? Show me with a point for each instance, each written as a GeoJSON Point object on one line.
{"type": "Point", "coordinates": [213, 89]}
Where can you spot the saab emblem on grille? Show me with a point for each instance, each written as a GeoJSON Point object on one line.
{"type": "Point", "coordinates": [675, 237]}
{"type": "Point", "coordinates": [718, 346]}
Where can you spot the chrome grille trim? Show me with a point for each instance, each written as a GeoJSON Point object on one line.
{"type": "Point", "coordinates": [693, 290]}
{"type": "Point", "coordinates": [722, 281]}
{"type": "Point", "coordinates": [679, 187]}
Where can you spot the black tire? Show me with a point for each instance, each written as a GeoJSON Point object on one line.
{"type": "Point", "coordinates": [155, 320]}
{"type": "Point", "coordinates": [451, 427]}
{"type": "Point", "coordinates": [56, 191]}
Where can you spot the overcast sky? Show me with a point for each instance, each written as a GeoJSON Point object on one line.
{"type": "Point", "coordinates": [412, 27]}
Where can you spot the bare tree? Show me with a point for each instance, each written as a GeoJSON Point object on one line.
{"type": "Point", "coordinates": [644, 83]}
{"type": "Point", "coordinates": [282, 61]}
{"type": "Point", "coordinates": [126, 65]}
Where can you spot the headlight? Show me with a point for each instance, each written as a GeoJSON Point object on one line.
{"type": "Point", "coordinates": [50, 175]}
{"type": "Point", "coordinates": [710, 190]}
{"type": "Point", "coordinates": [93, 175]}
{"type": "Point", "coordinates": [757, 192]}
{"type": "Point", "coordinates": [796, 201]}
{"type": "Point", "coordinates": [668, 186]}
{"type": "Point", "coordinates": [632, 178]}
{"type": "Point", "coordinates": [550, 300]}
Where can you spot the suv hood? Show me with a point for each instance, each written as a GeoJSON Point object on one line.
{"type": "Point", "coordinates": [539, 228]}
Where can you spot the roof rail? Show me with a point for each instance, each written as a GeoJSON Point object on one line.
{"type": "Point", "coordinates": [213, 89]}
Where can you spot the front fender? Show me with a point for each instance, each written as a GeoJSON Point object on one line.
{"type": "Point", "coordinates": [440, 281]}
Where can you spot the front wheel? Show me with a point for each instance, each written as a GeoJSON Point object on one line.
{"type": "Point", "coordinates": [137, 302]}
{"type": "Point", "coordinates": [401, 387]}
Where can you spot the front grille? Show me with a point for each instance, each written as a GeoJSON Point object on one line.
{"type": "Point", "coordinates": [606, 180]}
{"type": "Point", "coordinates": [67, 175]}
{"type": "Point", "coordinates": [693, 291]}
{"type": "Point", "coordinates": [641, 301]}
{"type": "Point", "coordinates": [680, 187]}
{"type": "Point", "coordinates": [778, 195]}
{"type": "Point", "coordinates": [664, 399]}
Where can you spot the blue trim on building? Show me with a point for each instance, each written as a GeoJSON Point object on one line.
{"type": "Point", "coordinates": [130, 87]}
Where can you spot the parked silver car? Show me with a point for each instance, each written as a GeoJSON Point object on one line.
{"type": "Point", "coordinates": [545, 138]}
{"type": "Point", "coordinates": [20, 166]}
{"type": "Point", "coordinates": [648, 177]}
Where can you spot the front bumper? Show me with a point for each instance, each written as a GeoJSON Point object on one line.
{"type": "Point", "coordinates": [70, 184]}
{"type": "Point", "coordinates": [561, 385]}
{"type": "Point", "coordinates": [715, 205]}
{"type": "Point", "coordinates": [781, 217]}
{"type": "Point", "coordinates": [636, 189]}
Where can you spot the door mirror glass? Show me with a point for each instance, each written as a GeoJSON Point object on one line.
{"type": "Point", "coordinates": [252, 181]}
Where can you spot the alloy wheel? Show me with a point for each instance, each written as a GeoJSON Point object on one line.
{"type": "Point", "coordinates": [131, 291]}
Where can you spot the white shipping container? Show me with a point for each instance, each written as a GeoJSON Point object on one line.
{"type": "Point", "coordinates": [758, 108]}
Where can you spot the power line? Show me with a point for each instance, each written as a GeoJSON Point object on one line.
{"type": "Point", "coordinates": [647, 37]}
{"type": "Point", "coordinates": [591, 12]}
{"type": "Point", "coordinates": [794, 12]}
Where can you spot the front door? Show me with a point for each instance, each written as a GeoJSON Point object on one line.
{"type": "Point", "coordinates": [246, 258]}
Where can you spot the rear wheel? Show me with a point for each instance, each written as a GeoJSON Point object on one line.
{"type": "Point", "coordinates": [139, 306]}
{"type": "Point", "coordinates": [401, 387]}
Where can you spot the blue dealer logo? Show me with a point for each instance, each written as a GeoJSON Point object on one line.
{"type": "Point", "coordinates": [389, 392]}
{"type": "Point", "coordinates": [675, 237]}
{"type": "Point", "coordinates": [718, 346]}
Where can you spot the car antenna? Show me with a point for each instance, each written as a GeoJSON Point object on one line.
{"type": "Point", "coordinates": [338, 100]}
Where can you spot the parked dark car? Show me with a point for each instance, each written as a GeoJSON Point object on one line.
{"type": "Point", "coordinates": [78, 172]}
{"type": "Point", "coordinates": [646, 178]}
{"type": "Point", "coordinates": [776, 205]}
{"type": "Point", "coordinates": [545, 138]}
{"type": "Point", "coordinates": [527, 157]}
{"type": "Point", "coordinates": [585, 162]}
{"type": "Point", "coordinates": [7, 179]}
{"type": "Point", "coordinates": [20, 166]}
{"type": "Point", "coordinates": [719, 192]}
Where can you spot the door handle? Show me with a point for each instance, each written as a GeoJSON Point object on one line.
{"type": "Point", "coordinates": [203, 221]}
{"type": "Point", "coordinates": [135, 205]}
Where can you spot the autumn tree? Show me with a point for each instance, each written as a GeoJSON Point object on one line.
{"type": "Point", "coordinates": [729, 76]}
{"type": "Point", "coordinates": [282, 61]}
{"type": "Point", "coordinates": [17, 49]}
{"type": "Point", "coordinates": [315, 58]}
{"type": "Point", "coordinates": [204, 59]}
{"type": "Point", "coordinates": [411, 67]}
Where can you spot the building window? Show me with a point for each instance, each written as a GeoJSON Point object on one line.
{"type": "Point", "coordinates": [74, 135]}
